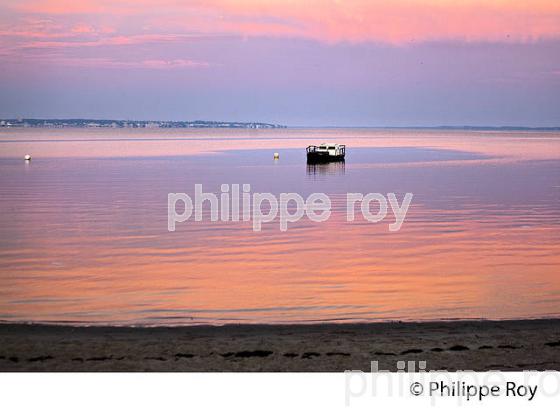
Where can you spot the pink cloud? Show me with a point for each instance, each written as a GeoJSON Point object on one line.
{"type": "Point", "coordinates": [401, 21]}
{"type": "Point", "coordinates": [39, 29]}
{"type": "Point", "coordinates": [396, 21]}
{"type": "Point", "coordinates": [63, 6]}
{"type": "Point", "coordinates": [171, 64]}
{"type": "Point", "coordinates": [118, 40]}
{"type": "Point", "coordinates": [144, 64]}
{"type": "Point", "coordinates": [83, 29]}
{"type": "Point", "coordinates": [109, 63]}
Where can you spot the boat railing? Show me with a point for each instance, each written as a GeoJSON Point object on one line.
{"type": "Point", "coordinates": [314, 148]}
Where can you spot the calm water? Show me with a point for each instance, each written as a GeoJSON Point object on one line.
{"type": "Point", "coordinates": [84, 228]}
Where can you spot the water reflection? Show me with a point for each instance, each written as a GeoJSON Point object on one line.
{"type": "Point", "coordinates": [329, 168]}
{"type": "Point", "coordinates": [86, 240]}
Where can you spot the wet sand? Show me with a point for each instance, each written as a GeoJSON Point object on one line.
{"type": "Point", "coordinates": [457, 345]}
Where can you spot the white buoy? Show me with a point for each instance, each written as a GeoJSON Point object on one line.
{"type": "Point", "coordinates": [27, 157]}
{"type": "Point", "coordinates": [276, 155]}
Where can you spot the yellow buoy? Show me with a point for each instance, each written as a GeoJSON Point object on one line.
{"type": "Point", "coordinates": [276, 155]}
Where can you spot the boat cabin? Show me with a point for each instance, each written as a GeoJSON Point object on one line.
{"type": "Point", "coordinates": [326, 152]}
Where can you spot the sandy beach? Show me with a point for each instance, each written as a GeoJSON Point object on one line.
{"type": "Point", "coordinates": [462, 345]}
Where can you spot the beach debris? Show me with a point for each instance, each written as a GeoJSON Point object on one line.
{"type": "Point", "coordinates": [409, 351]}
{"type": "Point", "coordinates": [184, 355]}
{"type": "Point", "coordinates": [40, 358]}
{"type": "Point", "coordinates": [309, 355]}
{"type": "Point", "coordinates": [253, 353]}
{"type": "Point", "coordinates": [99, 358]}
{"type": "Point", "coordinates": [159, 358]}
{"type": "Point", "coordinates": [247, 353]}
{"type": "Point", "coordinates": [508, 347]}
{"type": "Point", "coordinates": [458, 348]}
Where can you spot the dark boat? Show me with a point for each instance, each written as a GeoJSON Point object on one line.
{"type": "Point", "coordinates": [325, 153]}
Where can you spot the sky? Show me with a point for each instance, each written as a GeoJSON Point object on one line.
{"type": "Point", "coordinates": [298, 63]}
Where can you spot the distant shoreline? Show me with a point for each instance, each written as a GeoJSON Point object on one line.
{"type": "Point", "coordinates": [157, 124]}
{"type": "Point", "coordinates": [510, 345]}
{"type": "Point", "coordinates": [104, 123]}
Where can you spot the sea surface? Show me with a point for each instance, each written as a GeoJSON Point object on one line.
{"type": "Point", "coordinates": [84, 238]}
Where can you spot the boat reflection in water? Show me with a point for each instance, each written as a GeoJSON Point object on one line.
{"type": "Point", "coordinates": [327, 168]}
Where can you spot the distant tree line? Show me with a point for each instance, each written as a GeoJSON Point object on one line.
{"type": "Point", "coordinates": [89, 123]}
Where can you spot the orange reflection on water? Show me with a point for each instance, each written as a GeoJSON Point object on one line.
{"type": "Point", "coordinates": [86, 240]}
{"type": "Point", "coordinates": [331, 271]}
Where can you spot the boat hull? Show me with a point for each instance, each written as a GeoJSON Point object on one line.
{"type": "Point", "coordinates": [322, 157]}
